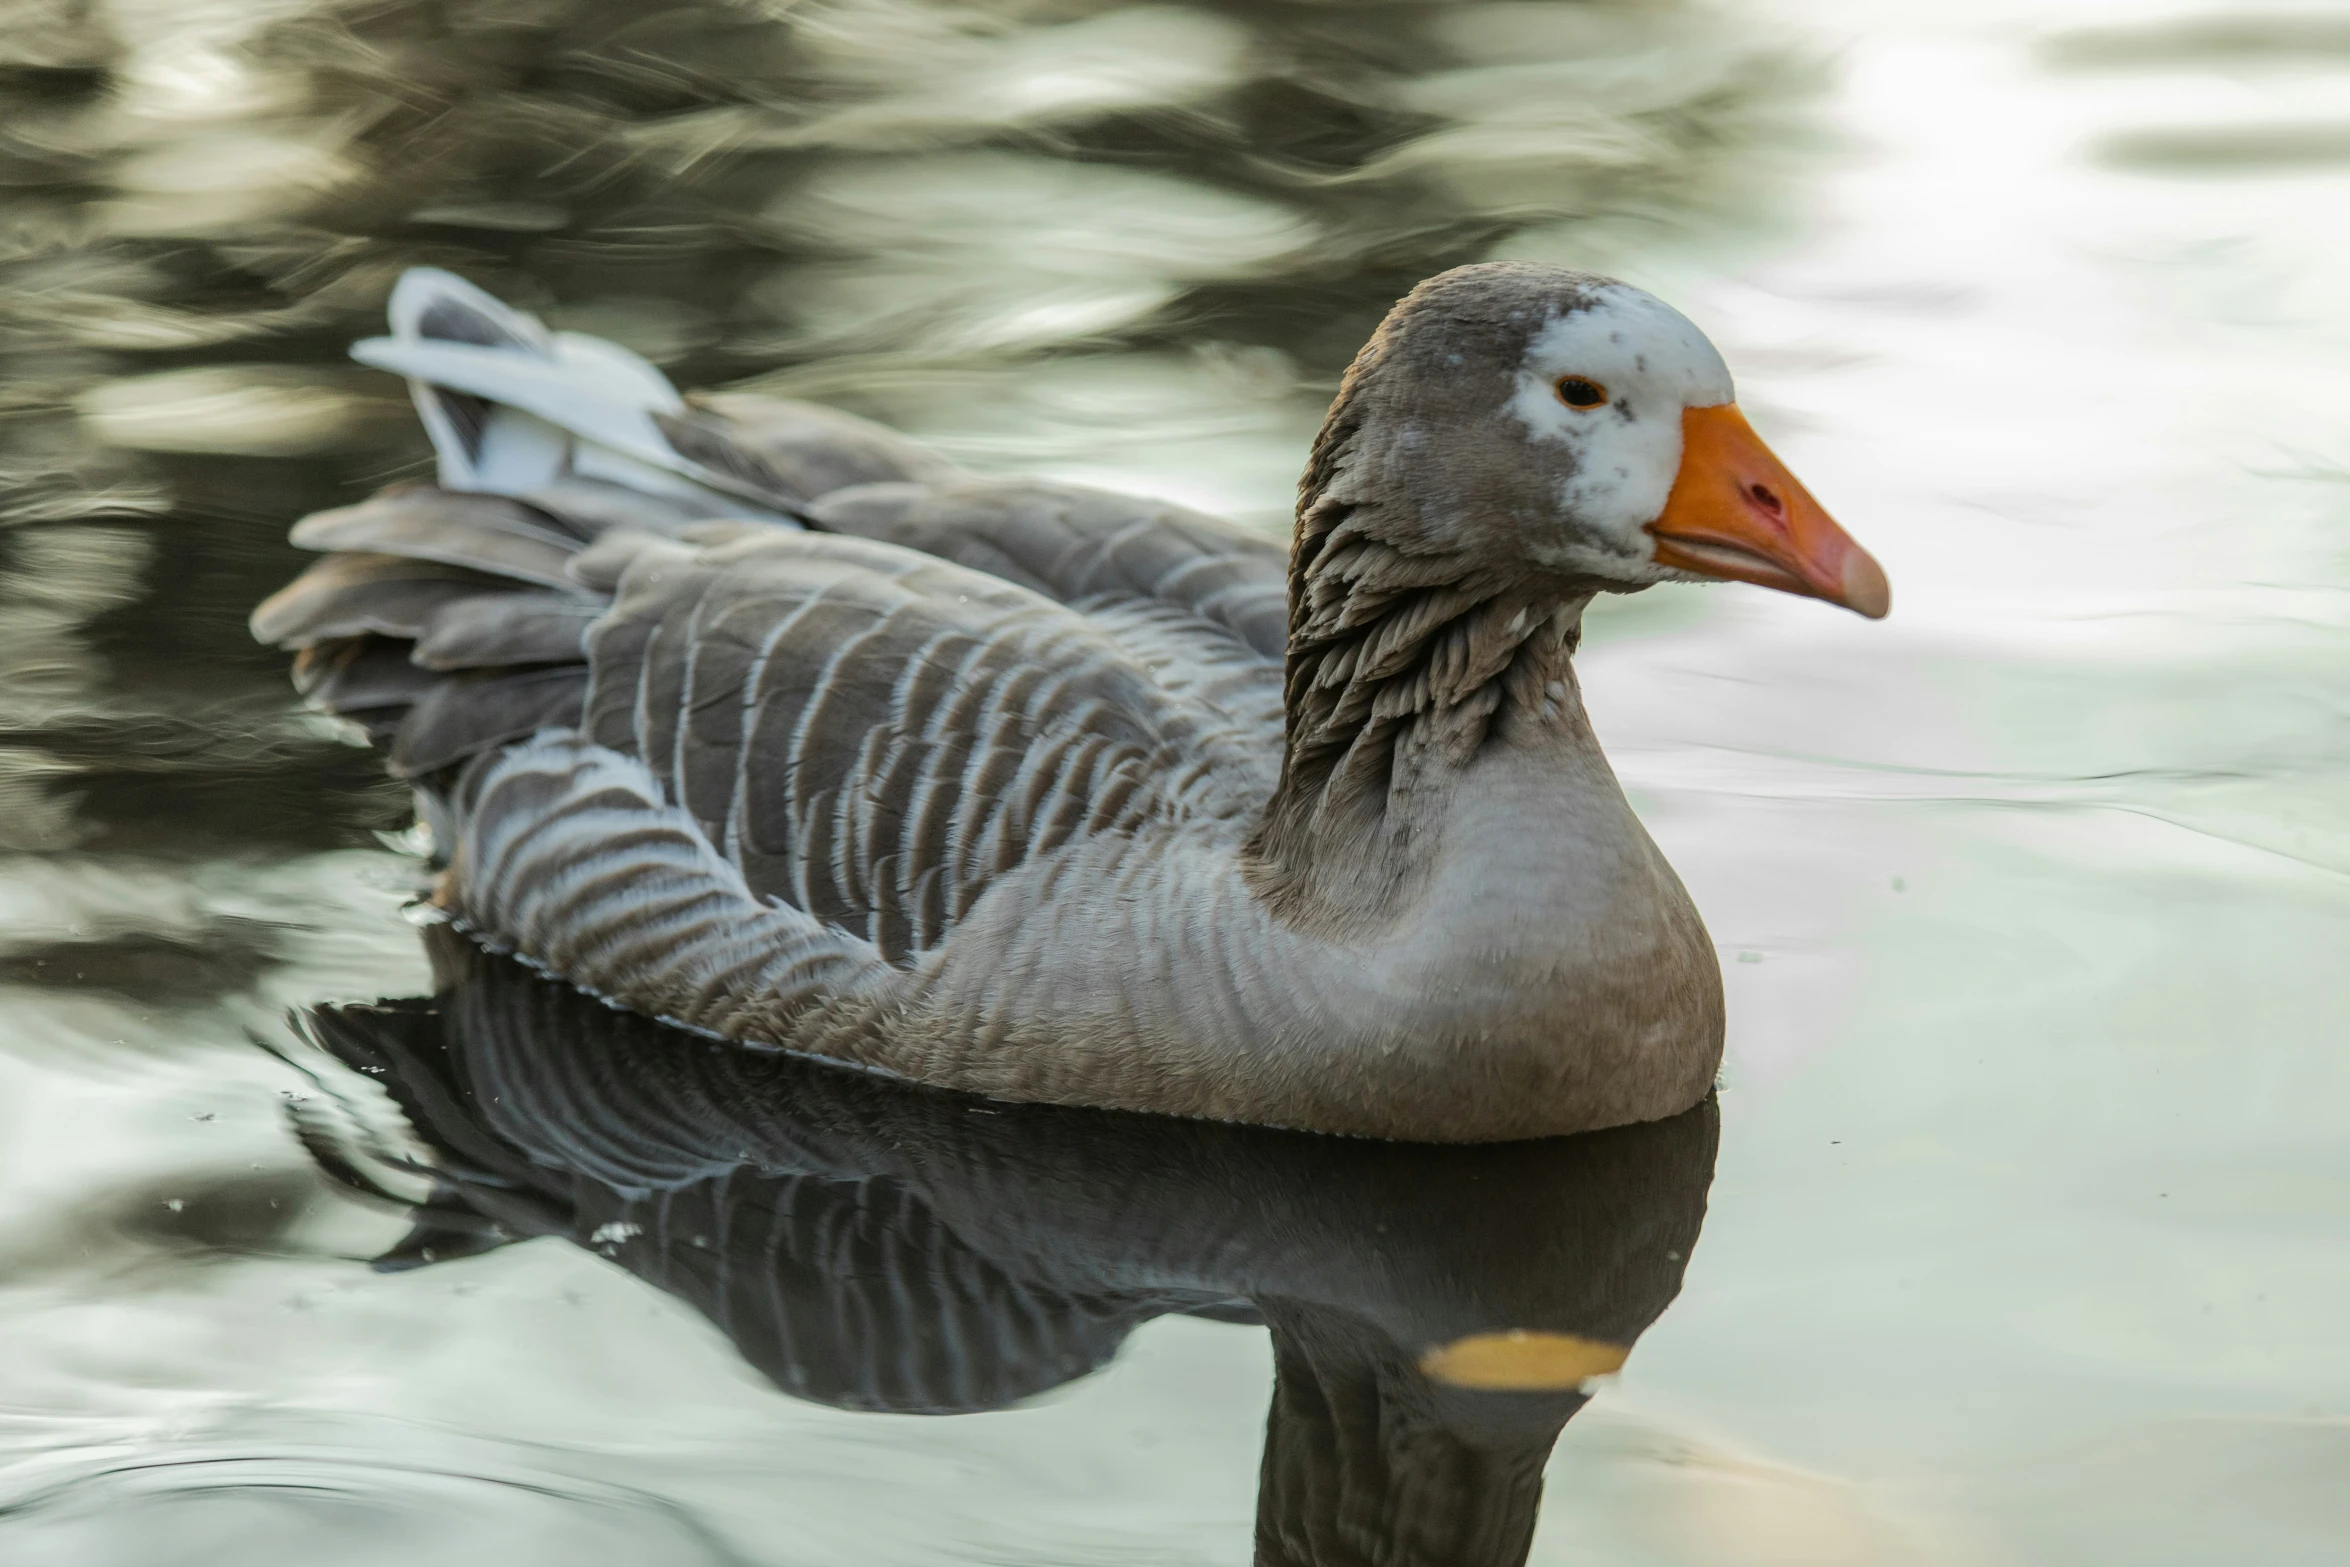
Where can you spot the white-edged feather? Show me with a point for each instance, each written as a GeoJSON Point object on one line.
{"type": "Point", "coordinates": [560, 404]}
{"type": "Point", "coordinates": [494, 449]}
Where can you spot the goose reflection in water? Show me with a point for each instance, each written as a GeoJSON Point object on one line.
{"type": "Point", "coordinates": [1436, 1312]}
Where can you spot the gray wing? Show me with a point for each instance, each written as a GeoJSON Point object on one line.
{"type": "Point", "coordinates": [1083, 547]}
{"type": "Point", "coordinates": [865, 732]}
{"type": "Point", "coordinates": [874, 736]}
{"type": "Point", "coordinates": [1198, 601]}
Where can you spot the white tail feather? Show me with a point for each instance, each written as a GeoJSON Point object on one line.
{"type": "Point", "coordinates": [512, 408]}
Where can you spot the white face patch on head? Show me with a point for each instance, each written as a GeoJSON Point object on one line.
{"type": "Point", "coordinates": [1651, 362]}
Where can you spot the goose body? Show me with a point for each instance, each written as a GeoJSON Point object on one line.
{"type": "Point", "coordinates": [762, 720]}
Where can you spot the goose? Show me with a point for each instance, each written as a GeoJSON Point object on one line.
{"type": "Point", "coordinates": [762, 720]}
{"type": "Point", "coordinates": [891, 1248]}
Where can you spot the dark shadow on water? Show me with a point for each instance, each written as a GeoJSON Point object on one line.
{"type": "Point", "coordinates": [2231, 36]}
{"type": "Point", "coordinates": [149, 968]}
{"type": "Point", "coordinates": [1435, 1312]}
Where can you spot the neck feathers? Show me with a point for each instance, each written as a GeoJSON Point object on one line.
{"type": "Point", "coordinates": [1406, 656]}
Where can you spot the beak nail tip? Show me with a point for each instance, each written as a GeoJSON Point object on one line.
{"type": "Point", "coordinates": [1865, 588]}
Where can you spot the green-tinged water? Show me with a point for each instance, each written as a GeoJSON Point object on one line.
{"type": "Point", "coordinates": [2028, 1241]}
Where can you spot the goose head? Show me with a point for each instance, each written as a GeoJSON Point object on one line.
{"type": "Point", "coordinates": [1578, 427]}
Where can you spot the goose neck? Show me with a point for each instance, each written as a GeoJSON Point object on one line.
{"type": "Point", "coordinates": [1409, 675]}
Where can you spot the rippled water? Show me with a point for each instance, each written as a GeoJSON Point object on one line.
{"type": "Point", "coordinates": [2025, 1242]}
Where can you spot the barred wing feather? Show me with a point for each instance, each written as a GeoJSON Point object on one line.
{"type": "Point", "coordinates": [873, 736]}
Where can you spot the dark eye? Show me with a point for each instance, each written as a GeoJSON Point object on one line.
{"type": "Point", "coordinates": [1576, 392]}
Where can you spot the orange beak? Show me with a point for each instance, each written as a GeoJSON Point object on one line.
{"type": "Point", "coordinates": [1737, 513]}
